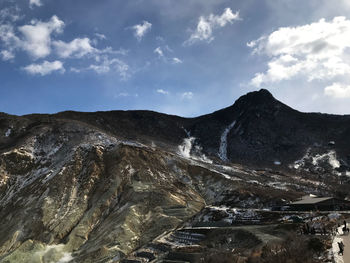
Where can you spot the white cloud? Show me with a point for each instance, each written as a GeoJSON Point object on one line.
{"type": "Point", "coordinates": [159, 51]}
{"type": "Point", "coordinates": [141, 29]}
{"type": "Point", "coordinates": [122, 94]}
{"type": "Point", "coordinates": [338, 91]}
{"type": "Point", "coordinates": [44, 68]}
{"type": "Point", "coordinates": [35, 39]}
{"type": "Point", "coordinates": [10, 41]}
{"type": "Point", "coordinates": [206, 25]}
{"type": "Point", "coordinates": [37, 36]}
{"type": "Point", "coordinates": [164, 92]}
{"type": "Point", "coordinates": [176, 61]}
{"type": "Point", "coordinates": [7, 55]}
{"type": "Point", "coordinates": [125, 94]}
{"type": "Point", "coordinates": [78, 47]}
{"type": "Point", "coordinates": [33, 3]}
{"type": "Point", "coordinates": [317, 51]}
{"type": "Point", "coordinates": [187, 95]}
{"type": "Point", "coordinates": [8, 36]}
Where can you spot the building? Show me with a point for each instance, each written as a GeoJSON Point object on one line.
{"type": "Point", "coordinates": [309, 202]}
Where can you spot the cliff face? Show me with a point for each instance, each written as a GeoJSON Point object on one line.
{"type": "Point", "coordinates": [93, 187]}
{"type": "Point", "coordinates": [76, 187]}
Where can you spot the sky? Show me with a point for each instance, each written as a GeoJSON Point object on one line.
{"type": "Point", "coordinates": [182, 57]}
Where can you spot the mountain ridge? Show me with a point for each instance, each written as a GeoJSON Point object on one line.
{"type": "Point", "coordinates": [274, 118]}
{"type": "Point", "coordinates": [252, 94]}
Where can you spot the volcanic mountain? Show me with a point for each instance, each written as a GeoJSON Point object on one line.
{"type": "Point", "coordinates": [95, 187]}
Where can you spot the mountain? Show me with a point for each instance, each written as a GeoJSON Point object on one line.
{"type": "Point", "coordinates": [95, 187]}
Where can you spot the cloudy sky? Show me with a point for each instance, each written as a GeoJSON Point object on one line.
{"type": "Point", "coordinates": [184, 57]}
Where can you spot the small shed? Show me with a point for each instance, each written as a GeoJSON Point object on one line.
{"type": "Point", "coordinates": [307, 203]}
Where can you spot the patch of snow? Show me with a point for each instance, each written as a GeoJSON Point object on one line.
{"type": "Point", "coordinates": [232, 178]}
{"type": "Point", "coordinates": [231, 169]}
{"type": "Point", "coordinates": [254, 182]}
{"type": "Point", "coordinates": [278, 185]}
{"type": "Point", "coordinates": [8, 132]}
{"type": "Point", "coordinates": [130, 143]}
{"type": "Point", "coordinates": [223, 142]}
{"type": "Point", "coordinates": [218, 208]}
{"type": "Point", "coordinates": [335, 248]}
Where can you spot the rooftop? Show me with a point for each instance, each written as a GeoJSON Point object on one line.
{"type": "Point", "coordinates": [310, 200]}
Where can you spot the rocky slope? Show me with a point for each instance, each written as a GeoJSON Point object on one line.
{"type": "Point", "coordinates": [94, 187]}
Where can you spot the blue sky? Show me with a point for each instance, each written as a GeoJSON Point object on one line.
{"type": "Point", "coordinates": [183, 57]}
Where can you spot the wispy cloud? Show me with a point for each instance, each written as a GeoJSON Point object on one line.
{"type": "Point", "coordinates": [105, 65]}
{"type": "Point", "coordinates": [33, 3]}
{"type": "Point", "coordinates": [10, 14]}
{"type": "Point", "coordinates": [140, 30]}
{"type": "Point", "coordinates": [125, 94]}
{"type": "Point", "coordinates": [161, 91]}
{"type": "Point", "coordinates": [82, 47]}
{"type": "Point", "coordinates": [206, 25]}
{"type": "Point", "coordinates": [100, 36]}
{"type": "Point", "coordinates": [161, 55]}
{"type": "Point", "coordinates": [9, 40]}
{"type": "Point", "coordinates": [176, 61]}
{"type": "Point", "coordinates": [187, 95]}
{"type": "Point", "coordinates": [159, 51]}
{"type": "Point", "coordinates": [44, 68]}
{"type": "Point", "coordinates": [7, 55]}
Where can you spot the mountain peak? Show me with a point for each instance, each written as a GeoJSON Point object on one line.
{"type": "Point", "coordinates": [264, 91]}
{"type": "Point", "coordinates": [257, 99]}
{"type": "Point", "coordinates": [261, 96]}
